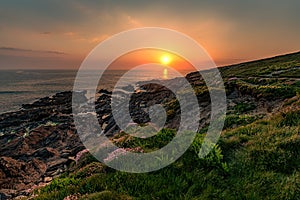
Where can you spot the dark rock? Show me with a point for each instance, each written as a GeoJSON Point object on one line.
{"type": "Point", "coordinates": [128, 88]}
{"type": "Point", "coordinates": [6, 194]}
{"type": "Point", "coordinates": [56, 163]}
{"type": "Point", "coordinates": [79, 97]}
{"type": "Point", "coordinates": [45, 153]}
{"type": "Point", "coordinates": [20, 175]}
{"type": "Point", "coordinates": [103, 91]}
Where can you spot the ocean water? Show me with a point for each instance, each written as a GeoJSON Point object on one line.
{"type": "Point", "coordinates": [21, 87]}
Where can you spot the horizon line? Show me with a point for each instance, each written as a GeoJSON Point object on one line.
{"type": "Point", "coordinates": [220, 66]}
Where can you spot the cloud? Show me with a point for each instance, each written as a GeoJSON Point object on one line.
{"type": "Point", "coordinates": [98, 39]}
{"type": "Point", "coordinates": [227, 29]}
{"type": "Point", "coordinates": [18, 58]}
{"type": "Point", "coordinates": [70, 34]}
{"type": "Point", "coordinates": [134, 22]}
{"type": "Point", "coordinates": [12, 49]}
{"type": "Point", "coordinates": [46, 33]}
{"type": "Point", "coordinates": [33, 62]}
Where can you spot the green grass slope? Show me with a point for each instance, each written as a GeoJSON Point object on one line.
{"type": "Point", "coordinates": [255, 158]}
{"type": "Point", "coordinates": [260, 160]}
{"type": "Point", "coordinates": [284, 65]}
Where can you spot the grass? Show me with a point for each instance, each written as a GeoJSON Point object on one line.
{"type": "Point", "coordinates": [255, 158]}
{"type": "Point", "coordinates": [262, 67]}
{"type": "Point", "coordinates": [233, 121]}
{"type": "Point", "coordinates": [259, 160]}
{"type": "Point", "coordinates": [242, 107]}
{"type": "Point", "coordinates": [105, 195]}
{"type": "Point", "coordinates": [276, 90]}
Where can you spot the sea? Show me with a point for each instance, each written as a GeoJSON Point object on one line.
{"type": "Point", "coordinates": [19, 87]}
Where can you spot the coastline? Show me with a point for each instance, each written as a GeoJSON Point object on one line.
{"type": "Point", "coordinates": [42, 137]}
{"type": "Point", "coordinates": [40, 142]}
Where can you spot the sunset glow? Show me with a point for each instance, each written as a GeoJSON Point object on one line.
{"type": "Point", "coordinates": [51, 38]}
{"type": "Point", "coordinates": [165, 59]}
{"type": "Point", "coordinates": [141, 57]}
{"type": "Point", "coordinates": [165, 73]}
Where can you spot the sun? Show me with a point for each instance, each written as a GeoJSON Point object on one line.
{"type": "Point", "coordinates": [165, 59]}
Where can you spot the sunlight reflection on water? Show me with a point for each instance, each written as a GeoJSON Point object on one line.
{"type": "Point", "coordinates": [21, 87]}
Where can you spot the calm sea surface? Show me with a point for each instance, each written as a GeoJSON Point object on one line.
{"type": "Point", "coordinates": [21, 87]}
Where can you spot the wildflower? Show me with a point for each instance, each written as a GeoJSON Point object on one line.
{"type": "Point", "coordinates": [121, 152]}
{"type": "Point", "coordinates": [80, 154]}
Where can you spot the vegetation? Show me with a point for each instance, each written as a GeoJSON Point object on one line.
{"type": "Point", "coordinates": [265, 67]}
{"type": "Point", "coordinates": [256, 157]}
{"type": "Point", "coordinates": [255, 161]}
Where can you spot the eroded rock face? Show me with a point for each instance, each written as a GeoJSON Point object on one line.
{"type": "Point", "coordinates": [37, 143]}
{"type": "Point", "coordinates": [19, 174]}
{"type": "Point", "coordinates": [40, 141]}
{"type": "Point", "coordinates": [45, 152]}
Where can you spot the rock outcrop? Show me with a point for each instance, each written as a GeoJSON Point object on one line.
{"type": "Point", "coordinates": [40, 141]}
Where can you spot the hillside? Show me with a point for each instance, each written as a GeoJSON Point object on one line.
{"type": "Point", "coordinates": [257, 156]}
{"type": "Point", "coordinates": [255, 161]}
{"type": "Point", "coordinates": [278, 66]}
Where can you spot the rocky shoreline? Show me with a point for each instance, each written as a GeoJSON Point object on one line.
{"type": "Point", "coordinates": [39, 142]}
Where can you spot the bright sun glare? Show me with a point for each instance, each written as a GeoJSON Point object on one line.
{"type": "Point", "coordinates": [165, 59]}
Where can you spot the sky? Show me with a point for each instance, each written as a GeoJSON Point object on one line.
{"type": "Point", "coordinates": [55, 34]}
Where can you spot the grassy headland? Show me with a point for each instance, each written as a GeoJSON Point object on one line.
{"type": "Point", "coordinates": [257, 156]}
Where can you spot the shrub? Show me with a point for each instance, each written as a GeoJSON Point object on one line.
{"type": "Point", "coordinates": [244, 107]}
{"type": "Point", "coordinates": [232, 121]}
